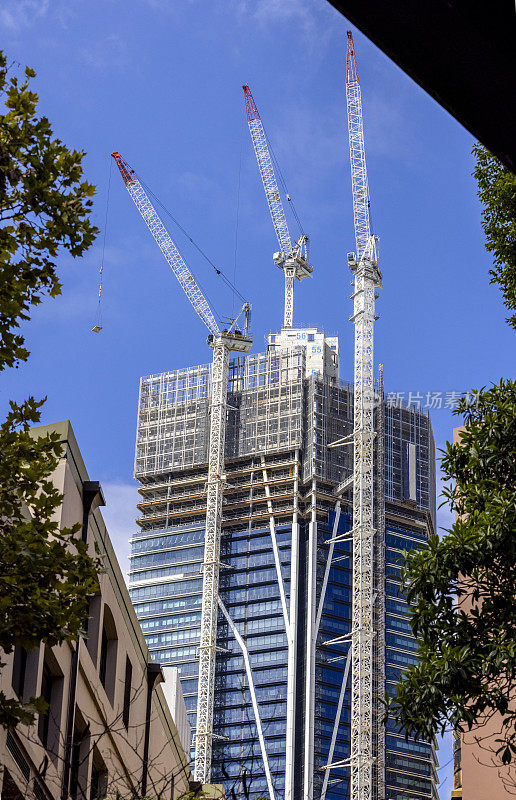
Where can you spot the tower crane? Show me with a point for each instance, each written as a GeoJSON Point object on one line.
{"type": "Point", "coordinates": [291, 258]}
{"type": "Point", "coordinates": [367, 278]}
{"type": "Point", "coordinates": [222, 343]}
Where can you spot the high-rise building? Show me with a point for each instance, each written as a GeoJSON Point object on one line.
{"type": "Point", "coordinates": [285, 580]}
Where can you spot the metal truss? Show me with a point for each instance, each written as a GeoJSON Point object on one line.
{"type": "Point", "coordinates": [222, 343]}
{"type": "Point", "coordinates": [289, 616]}
{"type": "Point", "coordinates": [270, 184]}
{"type": "Point", "coordinates": [359, 182]}
{"type": "Point", "coordinates": [293, 259]}
{"type": "Point", "coordinates": [367, 280]}
{"type": "Point", "coordinates": [288, 316]}
{"type": "Point", "coordinates": [211, 564]}
{"type": "Point", "coordinates": [166, 245]}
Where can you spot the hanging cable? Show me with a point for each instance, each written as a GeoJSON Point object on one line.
{"type": "Point", "coordinates": [283, 183]}
{"type": "Point", "coordinates": [97, 327]}
{"type": "Point", "coordinates": [190, 239]}
{"type": "Point", "coordinates": [238, 206]}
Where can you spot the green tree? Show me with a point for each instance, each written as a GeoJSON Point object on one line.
{"type": "Point", "coordinates": [497, 193]}
{"type": "Point", "coordinates": [462, 588]}
{"type": "Point", "coordinates": [46, 575]}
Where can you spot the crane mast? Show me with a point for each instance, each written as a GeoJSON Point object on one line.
{"type": "Point", "coordinates": [367, 278]}
{"type": "Point", "coordinates": [222, 343]}
{"type": "Point", "coordinates": [292, 259]}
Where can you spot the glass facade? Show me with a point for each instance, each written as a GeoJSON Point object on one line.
{"type": "Point", "coordinates": [281, 476]}
{"type": "Point", "coordinates": [410, 765]}
{"type": "Point", "coordinates": [249, 590]}
{"type": "Point", "coordinates": [331, 662]}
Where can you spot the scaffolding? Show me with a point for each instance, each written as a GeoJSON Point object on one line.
{"type": "Point", "coordinates": [265, 409]}
{"type": "Point", "coordinates": [280, 466]}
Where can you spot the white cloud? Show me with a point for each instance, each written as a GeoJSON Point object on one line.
{"type": "Point", "coordinates": [119, 515]}
{"type": "Point", "coordinates": [273, 11]}
{"type": "Point", "coordinates": [17, 14]}
{"type": "Point", "coordinates": [312, 19]}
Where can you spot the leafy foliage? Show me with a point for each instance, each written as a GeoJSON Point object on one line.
{"type": "Point", "coordinates": [46, 575]}
{"type": "Point", "coordinates": [462, 588]}
{"type": "Point", "coordinates": [497, 193]}
{"type": "Point", "coordinates": [44, 206]}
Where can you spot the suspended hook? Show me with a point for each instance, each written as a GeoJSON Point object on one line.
{"type": "Point", "coordinates": [98, 317]}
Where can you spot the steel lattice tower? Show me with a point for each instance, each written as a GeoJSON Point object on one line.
{"type": "Point", "coordinates": [222, 343]}
{"type": "Point", "coordinates": [367, 278]}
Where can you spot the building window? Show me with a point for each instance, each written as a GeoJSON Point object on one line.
{"type": "Point", "coordinates": [108, 654]}
{"type": "Point", "coordinates": [46, 694]}
{"type": "Point", "coordinates": [19, 670]}
{"type": "Point", "coordinates": [127, 692]}
{"type": "Point", "coordinates": [99, 777]}
{"type": "Point", "coordinates": [51, 690]}
{"type": "Point", "coordinates": [92, 626]}
{"type": "Point", "coordinates": [311, 337]}
{"type": "Point", "coordinates": [79, 758]}
{"type": "Point", "coordinates": [103, 658]}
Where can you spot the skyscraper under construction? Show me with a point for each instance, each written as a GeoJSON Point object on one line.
{"type": "Point", "coordinates": [276, 506]}
{"type": "Point", "coordinates": [281, 725]}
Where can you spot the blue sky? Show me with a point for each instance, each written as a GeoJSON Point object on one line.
{"type": "Point", "coordinates": [160, 81]}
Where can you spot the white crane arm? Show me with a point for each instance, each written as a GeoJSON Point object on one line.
{"type": "Point", "coordinates": [270, 183]}
{"type": "Point", "coordinates": [359, 181]}
{"type": "Point", "coordinates": [176, 262]}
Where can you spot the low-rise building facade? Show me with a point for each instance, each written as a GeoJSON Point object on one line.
{"type": "Point", "coordinates": [108, 730]}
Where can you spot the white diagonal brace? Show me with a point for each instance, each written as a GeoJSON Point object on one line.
{"type": "Point", "coordinates": [328, 567]}
{"type": "Point", "coordinates": [329, 763]}
{"type": "Point", "coordinates": [277, 562]}
{"type": "Point", "coordinates": [290, 750]}
{"type": "Point", "coordinates": [254, 701]}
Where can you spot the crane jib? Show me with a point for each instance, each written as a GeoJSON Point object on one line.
{"type": "Point", "coordinates": [166, 245]}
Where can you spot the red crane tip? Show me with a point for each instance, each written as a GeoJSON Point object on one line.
{"type": "Point", "coordinates": [250, 105]}
{"type": "Point", "coordinates": [125, 170]}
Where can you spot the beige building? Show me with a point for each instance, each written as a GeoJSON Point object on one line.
{"type": "Point", "coordinates": [109, 730]}
{"type": "Point", "coordinates": [478, 772]}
